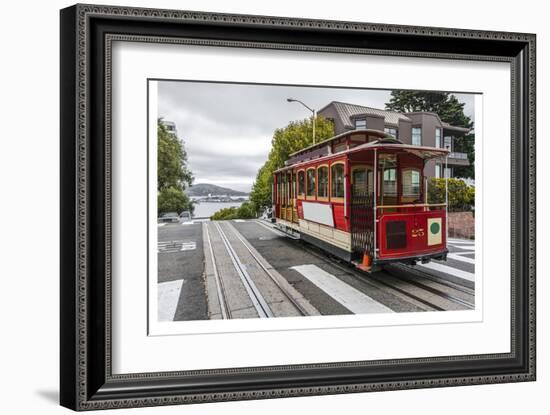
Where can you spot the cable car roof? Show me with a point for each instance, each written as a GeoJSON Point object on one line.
{"type": "Point", "coordinates": [365, 131]}
{"type": "Point", "coordinates": [384, 144]}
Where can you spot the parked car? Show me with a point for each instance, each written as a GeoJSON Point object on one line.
{"type": "Point", "coordinates": [185, 215]}
{"type": "Point", "coordinates": [169, 217]}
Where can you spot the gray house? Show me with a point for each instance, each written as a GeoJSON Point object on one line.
{"type": "Point", "coordinates": [417, 128]}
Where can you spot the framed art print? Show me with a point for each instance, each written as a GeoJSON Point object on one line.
{"type": "Point", "coordinates": [258, 207]}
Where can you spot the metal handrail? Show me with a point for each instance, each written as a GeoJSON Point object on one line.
{"type": "Point", "coordinates": [411, 205]}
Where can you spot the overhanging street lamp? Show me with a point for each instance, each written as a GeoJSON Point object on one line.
{"type": "Point", "coordinates": [312, 111]}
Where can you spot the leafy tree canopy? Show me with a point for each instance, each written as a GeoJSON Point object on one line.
{"type": "Point", "coordinates": [294, 137]}
{"type": "Point", "coordinates": [172, 161]}
{"type": "Point", "coordinates": [461, 196]}
{"type": "Point", "coordinates": [449, 109]}
{"type": "Point", "coordinates": [172, 199]}
{"type": "Point", "coordinates": [172, 172]}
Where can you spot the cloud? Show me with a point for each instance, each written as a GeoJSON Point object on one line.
{"type": "Point", "coordinates": [227, 128]}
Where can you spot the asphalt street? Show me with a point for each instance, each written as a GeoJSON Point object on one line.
{"type": "Point", "coordinates": [181, 262]}
{"type": "Point", "coordinates": [323, 284]}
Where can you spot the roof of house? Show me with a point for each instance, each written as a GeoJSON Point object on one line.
{"type": "Point", "coordinates": [347, 111]}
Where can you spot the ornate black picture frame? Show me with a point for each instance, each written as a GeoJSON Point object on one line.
{"type": "Point", "coordinates": [87, 33]}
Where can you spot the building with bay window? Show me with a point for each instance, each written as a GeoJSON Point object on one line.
{"type": "Point", "coordinates": [416, 128]}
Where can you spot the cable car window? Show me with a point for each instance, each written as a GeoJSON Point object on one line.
{"type": "Point", "coordinates": [283, 189]}
{"type": "Point", "coordinates": [390, 182]}
{"type": "Point", "coordinates": [337, 180]}
{"type": "Point", "coordinates": [322, 176]}
{"type": "Point", "coordinates": [311, 182]}
{"type": "Point", "coordinates": [301, 183]}
{"type": "Point", "coordinates": [362, 181]}
{"type": "Point", "coordinates": [411, 182]}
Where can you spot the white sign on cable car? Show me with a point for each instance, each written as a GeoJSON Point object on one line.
{"type": "Point", "coordinates": [318, 212]}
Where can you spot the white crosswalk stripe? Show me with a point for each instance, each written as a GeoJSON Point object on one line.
{"type": "Point", "coordinates": [168, 295]}
{"type": "Point", "coordinates": [459, 257]}
{"type": "Point", "coordinates": [449, 270]}
{"type": "Point", "coordinates": [167, 247]}
{"type": "Point", "coordinates": [351, 298]}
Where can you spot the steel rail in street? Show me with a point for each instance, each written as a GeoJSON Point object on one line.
{"type": "Point", "coordinates": [294, 302]}
{"type": "Point", "coordinates": [259, 302]}
{"type": "Point", "coordinates": [220, 289]}
{"type": "Point", "coordinates": [363, 277]}
{"type": "Point", "coordinates": [433, 290]}
{"type": "Point", "coordinates": [370, 278]}
{"type": "Point", "coordinates": [439, 280]}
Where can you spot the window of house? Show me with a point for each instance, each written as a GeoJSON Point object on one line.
{"type": "Point", "coordinates": [438, 137]}
{"type": "Point", "coordinates": [337, 180]}
{"type": "Point", "coordinates": [392, 131]}
{"type": "Point", "coordinates": [390, 182]}
{"type": "Point", "coordinates": [411, 182]}
{"type": "Point", "coordinates": [301, 183]}
{"type": "Point", "coordinates": [448, 143]}
{"type": "Point", "coordinates": [360, 124]}
{"type": "Point", "coordinates": [438, 171]}
{"type": "Point", "coordinates": [417, 136]}
{"type": "Point", "coordinates": [322, 177]}
{"type": "Point", "coordinates": [311, 182]}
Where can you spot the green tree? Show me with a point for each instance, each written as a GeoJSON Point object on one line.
{"type": "Point", "coordinates": [172, 199]}
{"type": "Point", "coordinates": [449, 109]}
{"type": "Point", "coordinates": [461, 197]}
{"type": "Point", "coordinates": [172, 172]}
{"type": "Point", "coordinates": [294, 137]}
{"type": "Point", "coordinates": [172, 161]}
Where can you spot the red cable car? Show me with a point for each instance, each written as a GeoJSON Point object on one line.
{"type": "Point", "coordinates": [326, 195]}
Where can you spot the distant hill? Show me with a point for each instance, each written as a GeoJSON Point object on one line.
{"type": "Point", "coordinates": [204, 189]}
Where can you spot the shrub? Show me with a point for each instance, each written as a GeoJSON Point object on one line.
{"type": "Point", "coordinates": [461, 196]}
{"type": "Point", "coordinates": [245, 211]}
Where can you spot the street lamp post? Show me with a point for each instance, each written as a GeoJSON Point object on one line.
{"type": "Point", "coordinates": [312, 111]}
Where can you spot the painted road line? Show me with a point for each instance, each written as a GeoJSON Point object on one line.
{"type": "Point", "coordinates": [187, 223]}
{"type": "Point", "coordinates": [461, 258]}
{"type": "Point", "coordinates": [167, 247]}
{"type": "Point", "coordinates": [351, 298]}
{"type": "Point", "coordinates": [239, 220]}
{"type": "Point", "coordinates": [449, 270]}
{"type": "Point", "coordinates": [188, 246]}
{"type": "Point", "coordinates": [270, 228]}
{"type": "Point", "coordinates": [461, 241]}
{"type": "Point", "coordinates": [467, 248]}
{"type": "Point", "coordinates": [168, 294]}
{"type": "Point", "coordinates": [274, 230]}
{"type": "Point", "coordinates": [161, 224]}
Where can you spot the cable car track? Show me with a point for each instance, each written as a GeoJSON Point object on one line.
{"type": "Point", "coordinates": [410, 279]}
{"type": "Point", "coordinates": [260, 303]}
{"type": "Point", "coordinates": [220, 289]}
{"type": "Point", "coordinates": [364, 277]}
{"type": "Point", "coordinates": [258, 300]}
{"type": "Point", "coordinates": [285, 292]}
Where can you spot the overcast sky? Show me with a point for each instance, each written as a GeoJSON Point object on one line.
{"type": "Point", "coordinates": [227, 128]}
